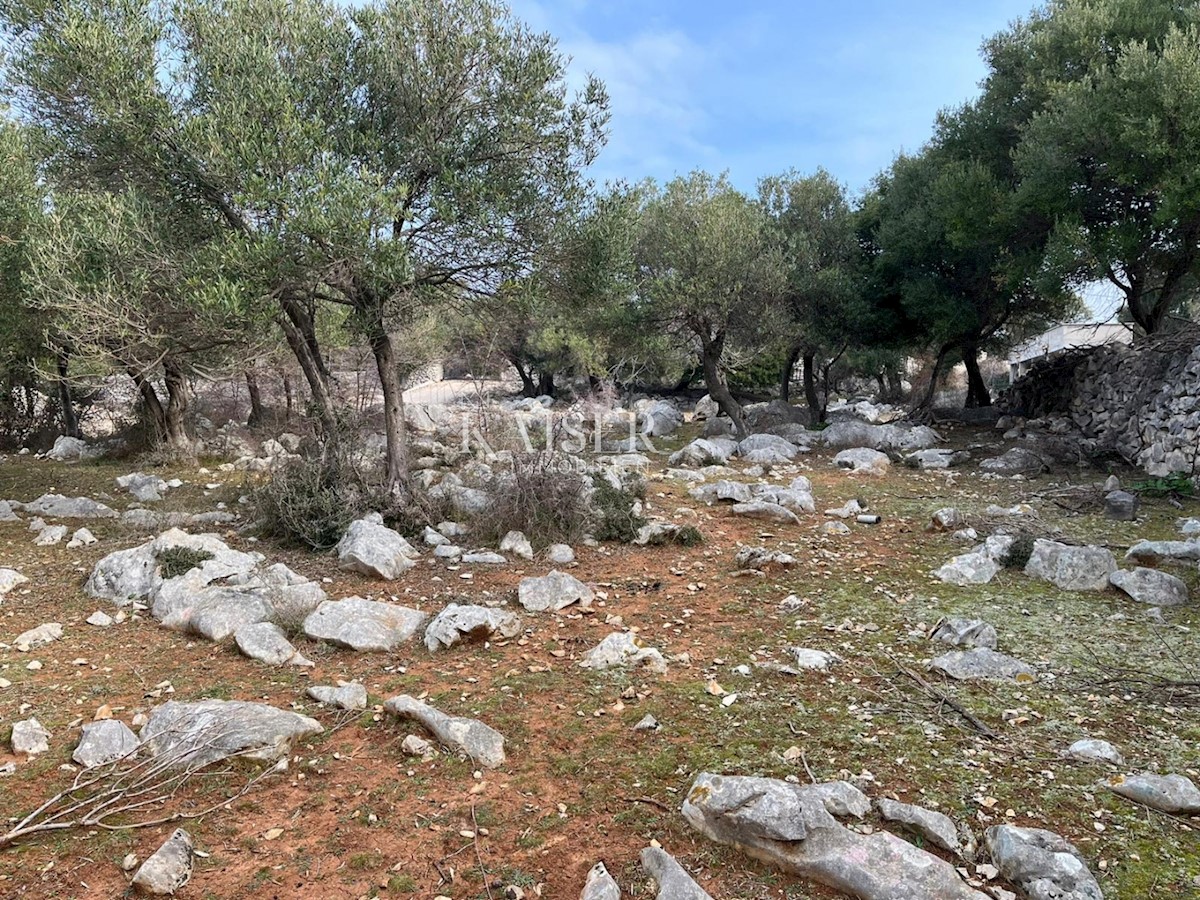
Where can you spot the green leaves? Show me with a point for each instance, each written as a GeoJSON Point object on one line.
{"type": "Point", "coordinates": [1113, 152]}
{"type": "Point", "coordinates": [704, 259]}
{"type": "Point", "coordinates": [812, 226]}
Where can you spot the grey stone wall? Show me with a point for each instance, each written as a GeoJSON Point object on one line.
{"type": "Point", "coordinates": [1142, 402]}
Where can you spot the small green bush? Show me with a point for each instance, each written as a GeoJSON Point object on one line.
{"type": "Point", "coordinates": [613, 516]}
{"type": "Point", "coordinates": [176, 561]}
{"type": "Point", "coordinates": [1018, 554]}
{"type": "Point", "coordinates": [1174, 485]}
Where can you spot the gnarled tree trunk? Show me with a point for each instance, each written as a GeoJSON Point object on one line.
{"type": "Point", "coordinates": [177, 405]}
{"type": "Point", "coordinates": [393, 408]}
{"type": "Point", "coordinates": [258, 415]}
{"type": "Point", "coordinates": [711, 347]}
{"type": "Point", "coordinates": [785, 377]}
{"type": "Point", "coordinates": [288, 395]}
{"type": "Point", "coordinates": [528, 387]}
{"type": "Point", "coordinates": [70, 420]}
{"type": "Point", "coordinates": [816, 409]}
{"type": "Point", "coordinates": [314, 371]}
{"type": "Point", "coordinates": [933, 379]}
{"type": "Point", "coordinates": [977, 392]}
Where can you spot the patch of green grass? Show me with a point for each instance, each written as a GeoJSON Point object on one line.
{"type": "Point", "coordinates": [402, 884]}
{"type": "Point", "coordinates": [1174, 485]}
{"type": "Point", "coordinates": [176, 561]}
{"type": "Point", "coordinates": [365, 860]}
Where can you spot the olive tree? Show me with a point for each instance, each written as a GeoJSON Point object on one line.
{"type": "Point", "coordinates": [1112, 152]}
{"type": "Point", "coordinates": [707, 267]}
{"type": "Point", "coordinates": [382, 160]}
{"type": "Point", "coordinates": [139, 293]}
{"type": "Point", "coordinates": [812, 224]}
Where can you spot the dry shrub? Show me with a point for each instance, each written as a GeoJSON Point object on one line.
{"type": "Point", "coordinates": [546, 496]}
{"type": "Point", "coordinates": [176, 561]}
{"type": "Point", "coordinates": [312, 501]}
{"type": "Point", "coordinates": [1020, 551]}
{"type": "Point", "coordinates": [552, 498]}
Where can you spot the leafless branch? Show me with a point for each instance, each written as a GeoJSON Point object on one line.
{"type": "Point", "coordinates": [118, 795]}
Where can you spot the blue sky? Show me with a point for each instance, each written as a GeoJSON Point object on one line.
{"type": "Point", "coordinates": [760, 86]}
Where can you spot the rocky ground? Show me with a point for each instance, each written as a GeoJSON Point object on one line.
{"type": "Point", "coordinates": [359, 812]}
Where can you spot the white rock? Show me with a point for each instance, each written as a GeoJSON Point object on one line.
{"type": "Point", "coordinates": [814, 660]}
{"type": "Point", "coordinates": [560, 555]}
{"type": "Point", "coordinates": [81, 538]}
{"type": "Point", "coordinates": [371, 548]}
{"type": "Point", "coordinates": [51, 534]}
{"type": "Point", "coordinates": [1071, 568]}
{"type": "Point", "coordinates": [169, 868]}
{"type": "Point", "coordinates": [1093, 750]}
{"type": "Point", "coordinates": [346, 695]}
{"type": "Point", "coordinates": [104, 742]}
{"type": "Point", "coordinates": [9, 579]}
{"type": "Point", "coordinates": [1151, 586]}
{"type": "Point", "coordinates": [38, 637]}
{"type": "Point", "coordinates": [267, 643]}
{"type": "Point", "coordinates": [517, 544]}
{"type": "Point", "coordinates": [623, 649]}
{"type": "Point", "coordinates": [862, 460]}
{"type": "Point", "coordinates": [363, 624]}
{"type": "Point", "coordinates": [483, 558]}
{"type": "Point", "coordinates": [30, 737]}
{"type": "Point", "coordinates": [976, 567]}
{"type": "Point", "coordinates": [458, 624]}
{"type": "Point", "coordinates": [553, 592]}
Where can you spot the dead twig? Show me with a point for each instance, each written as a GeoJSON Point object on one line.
{"type": "Point", "coordinates": [478, 854]}
{"type": "Point", "coordinates": [942, 699]}
{"type": "Point", "coordinates": [804, 760]}
{"type": "Point", "coordinates": [112, 795]}
{"type": "Point", "coordinates": [649, 801]}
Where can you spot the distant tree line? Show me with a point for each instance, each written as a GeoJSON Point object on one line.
{"type": "Point", "coordinates": [189, 186]}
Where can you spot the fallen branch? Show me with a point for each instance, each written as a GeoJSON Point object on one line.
{"type": "Point", "coordinates": [478, 854]}
{"type": "Point", "coordinates": [649, 801]}
{"type": "Point", "coordinates": [110, 796]}
{"type": "Point", "coordinates": [941, 698]}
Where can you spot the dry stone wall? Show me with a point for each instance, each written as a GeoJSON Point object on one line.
{"type": "Point", "coordinates": [1141, 402]}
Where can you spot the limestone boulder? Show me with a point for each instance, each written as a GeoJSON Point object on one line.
{"type": "Point", "coordinates": [363, 625]}
{"type": "Point", "coordinates": [194, 735]}
{"type": "Point", "coordinates": [373, 549]}
{"type": "Point", "coordinates": [550, 593]}
{"type": "Point", "coordinates": [1071, 568]}
{"type": "Point", "coordinates": [465, 623]}
{"type": "Point", "coordinates": [104, 742]}
{"type": "Point", "coordinates": [789, 827]}
{"type": "Point", "coordinates": [1150, 586]}
{"type": "Point", "coordinates": [480, 742]}
{"type": "Point", "coordinates": [1043, 864]}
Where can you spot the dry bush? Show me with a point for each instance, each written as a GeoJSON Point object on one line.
{"type": "Point", "coordinates": [1018, 554]}
{"type": "Point", "coordinates": [176, 561]}
{"type": "Point", "coordinates": [552, 498]}
{"type": "Point", "coordinates": [311, 501]}
{"type": "Point", "coordinates": [546, 496]}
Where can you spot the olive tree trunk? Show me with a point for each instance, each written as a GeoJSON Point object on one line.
{"type": "Point", "coordinates": [711, 349]}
